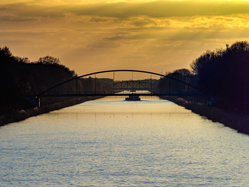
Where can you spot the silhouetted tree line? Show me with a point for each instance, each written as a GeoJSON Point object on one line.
{"type": "Point", "coordinates": [171, 86]}
{"type": "Point", "coordinates": [222, 74]}
{"type": "Point", "coordinates": [20, 77]}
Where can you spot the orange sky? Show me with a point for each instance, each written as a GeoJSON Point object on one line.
{"type": "Point", "coordinates": [89, 36]}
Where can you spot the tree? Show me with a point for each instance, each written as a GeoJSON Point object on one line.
{"type": "Point", "coordinates": [48, 60]}
{"type": "Point", "coordinates": [223, 74]}
{"type": "Point", "coordinates": [169, 85]}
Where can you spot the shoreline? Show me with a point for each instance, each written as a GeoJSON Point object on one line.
{"type": "Point", "coordinates": [237, 123]}
{"type": "Point", "coordinates": [20, 115]}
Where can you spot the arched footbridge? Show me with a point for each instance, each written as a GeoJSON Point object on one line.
{"type": "Point", "coordinates": [117, 88]}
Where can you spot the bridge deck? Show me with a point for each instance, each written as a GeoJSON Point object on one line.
{"type": "Point", "coordinates": [123, 94]}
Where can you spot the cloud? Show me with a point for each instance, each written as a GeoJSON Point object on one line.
{"type": "Point", "coordinates": [103, 45]}
{"type": "Point", "coordinates": [158, 9]}
{"type": "Point", "coordinates": [127, 34]}
{"type": "Point", "coordinates": [23, 11]}
{"type": "Point", "coordinates": [122, 10]}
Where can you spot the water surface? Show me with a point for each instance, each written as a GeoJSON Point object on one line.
{"type": "Point", "coordinates": [112, 142]}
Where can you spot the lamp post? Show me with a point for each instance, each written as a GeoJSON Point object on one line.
{"type": "Point", "coordinates": [245, 92]}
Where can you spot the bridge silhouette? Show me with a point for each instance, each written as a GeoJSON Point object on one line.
{"type": "Point", "coordinates": [117, 88]}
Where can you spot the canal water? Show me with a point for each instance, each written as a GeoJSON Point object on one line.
{"type": "Point", "coordinates": [113, 142]}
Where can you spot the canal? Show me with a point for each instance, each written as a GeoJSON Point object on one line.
{"type": "Point", "coordinates": [113, 142]}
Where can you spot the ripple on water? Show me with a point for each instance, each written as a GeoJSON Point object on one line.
{"type": "Point", "coordinates": [119, 143]}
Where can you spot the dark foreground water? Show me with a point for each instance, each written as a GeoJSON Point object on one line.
{"type": "Point", "coordinates": [112, 142]}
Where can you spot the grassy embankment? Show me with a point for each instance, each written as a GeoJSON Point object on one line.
{"type": "Point", "coordinates": [19, 77]}
{"type": "Point", "coordinates": [20, 115]}
{"type": "Point", "coordinates": [216, 115]}
{"type": "Point", "coordinates": [222, 74]}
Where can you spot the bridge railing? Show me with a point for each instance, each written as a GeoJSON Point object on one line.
{"type": "Point", "coordinates": [117, 93]}
{"type": "Point", "coordinates": [79, 92]}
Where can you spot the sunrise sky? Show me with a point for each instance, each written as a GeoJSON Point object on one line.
{"type": "Point", "coordinates": [95, 35]}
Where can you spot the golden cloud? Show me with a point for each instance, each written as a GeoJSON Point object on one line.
{"type": "Point", "coordinates": [154, 9]}
{"type": "Point", "coordinates": [121, 33]}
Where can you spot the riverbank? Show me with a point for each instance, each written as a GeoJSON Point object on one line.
{"type": "Point", "coordinates": [216, 115]}
{"type": "Point", "coordinates": [20, 115]}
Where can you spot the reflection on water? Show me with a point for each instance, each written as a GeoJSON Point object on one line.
{"type": "Point", "coordinates": [113, 142]}
{"type": "Point", "coordinates": [119, 105]}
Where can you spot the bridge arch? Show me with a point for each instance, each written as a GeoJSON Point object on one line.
{"type": "Point", "coordinates": [119, 70]}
